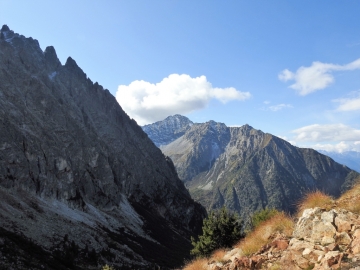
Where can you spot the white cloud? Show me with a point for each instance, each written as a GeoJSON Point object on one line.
{"type": "Point", "coordinates": [338, 147]}
{"type": "Point", "coordinates": [176, 94]}
{"type": "Point", "coordinates": [279, 107]}
{"type": "Point", "coordinates": [349, 104]}
{"type": "Point", "coordinates": [316, 77]}
{"type": "Point", "coordinates": [326, 133]}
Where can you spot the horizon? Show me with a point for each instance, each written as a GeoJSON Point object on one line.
{"type": "Point", "coordinates": [289, 69]}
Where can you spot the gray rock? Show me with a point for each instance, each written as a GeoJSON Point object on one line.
{"type": "Point", "coordinates": [73, 163]}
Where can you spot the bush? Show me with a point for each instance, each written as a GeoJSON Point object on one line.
{"type": "Point", "coordinates": [262, 215]}
{"type": "Point", "coordinates": [221, 229]}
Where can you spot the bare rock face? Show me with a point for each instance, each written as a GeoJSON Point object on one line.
{"type": "Point", "coordinates": [247, 170]}
{"type": "Point", "coordinates": [76, 173]}
{"type": "Point", "coordinates": [168, 130]}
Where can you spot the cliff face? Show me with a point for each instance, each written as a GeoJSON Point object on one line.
{"type": "Point", "coordinates": [247, 169]}
{"type": "Point", "coordinates": [73, 163]}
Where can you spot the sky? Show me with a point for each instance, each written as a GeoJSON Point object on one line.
{"type": "Point", "coordinates": [289, 68]}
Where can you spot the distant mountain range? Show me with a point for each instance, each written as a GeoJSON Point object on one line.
{"type": "Point", "coordinates": [348, 158]}
{"type": "Point", "coordinates": [244, 168]}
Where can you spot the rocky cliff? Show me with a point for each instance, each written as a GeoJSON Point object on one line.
{"type": "Point", "coordinates": [248, 170]}
{"type": "Point", "coordinates": [81, 184]}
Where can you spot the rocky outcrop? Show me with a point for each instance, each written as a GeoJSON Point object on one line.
{"type": "Point", "coordinates": [76, 173]}
{"type": "Point", "coordinates": [247, 170]}
{"type": "Point", "coordinates": [321, 240]}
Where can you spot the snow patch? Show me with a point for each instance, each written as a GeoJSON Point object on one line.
{"type": "Point", "coordinates": [52, 75]}
{"type": "Point", "coordinates": [7, 38]}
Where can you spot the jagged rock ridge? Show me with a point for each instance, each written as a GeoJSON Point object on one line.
{"type": "Point", "coordinates": [248, 170]}
{"type": "Point", "coordinates": [77, 173]}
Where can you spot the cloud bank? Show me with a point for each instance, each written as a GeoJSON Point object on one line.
{"type": "Point", "coordinates": [326, 133]}
{"type": "Point", "coordinates": [176, 94]}
{"type": "Point", "coordinates": [316, 77]}
{"type": "Point", "coordinates": [339, 147]}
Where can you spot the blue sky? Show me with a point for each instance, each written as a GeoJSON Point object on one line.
{"type": "Point", "coordinates": [286, 67]}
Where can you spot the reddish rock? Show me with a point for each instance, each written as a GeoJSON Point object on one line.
{"type": "Point", "coordinates": [280, 244]}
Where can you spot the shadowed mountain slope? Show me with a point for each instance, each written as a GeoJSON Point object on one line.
{"type": "Point", "coordinates": [77, 174]}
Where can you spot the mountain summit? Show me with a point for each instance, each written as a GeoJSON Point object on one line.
{"type": "Point", "coordinates": [247, 170]}
{"type": "Point", "coordinates": [80, 183]}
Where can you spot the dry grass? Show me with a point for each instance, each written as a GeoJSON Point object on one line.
{"type": "Point", "coordinates": [218, 255]}
{"type": "Point", "coordinates": [197, 264]}
{"type": "Point", "coordinates": [350, 200]}
{"type": "Point", "coordinates": [315, 199]}
{"type": "Point", "coordinates": [280, 223]}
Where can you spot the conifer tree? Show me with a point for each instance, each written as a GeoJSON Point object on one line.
{"type": "Point", "coordinates": [221, 229]}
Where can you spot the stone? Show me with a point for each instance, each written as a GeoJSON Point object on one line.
{"type": "Point", "coordinates": [332, 259]}
{"type": "Point", "coordinates": [355, 246]}
{"type": "Point", "coordinates": [345, 220]}
{"type": "Point", "coordinates": [322, 232]}
{"type": "Point", "coordinates": [329, 216]}
{"type": "Point", "coordinates": [280, 244]}
{"type": "Point", "coordinates": [342, 238]}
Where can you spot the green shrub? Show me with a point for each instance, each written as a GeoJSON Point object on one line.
{"type": "Point", "coordinates": [221, 229]}
{"type": "Point", "coordinates": [262, 215]}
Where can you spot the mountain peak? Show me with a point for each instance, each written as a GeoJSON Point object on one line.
{"type": "Point", "coordinates": [168, 130]}
{"type": "Point", "coordinates": [5, 28]}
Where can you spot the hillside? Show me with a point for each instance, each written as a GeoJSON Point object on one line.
{"type": "Point", "coordinates": [247, 170]}
{"type": "Point", "coordinates": [80, 183]}
{"type": "Point", "coordinates": [325, 236]}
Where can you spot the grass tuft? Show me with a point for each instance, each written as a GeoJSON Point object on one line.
{"type": "Point", "coordinates": [315, 199]}
{"type": "Point", "coordinates": [280, 223]}
{"type": "Point", "coordinates": [349, 200]}
{"type": "Point", "coordinates": [218, 255]}
{"type": "Point", "coordinates": [197, 264]}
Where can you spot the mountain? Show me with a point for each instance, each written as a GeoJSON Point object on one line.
{"type": "Point", "coordinates": [168, 130]}
{"type": "Point", "coordinates": [81, 184]}
{"type": "Point", "coordinates": [248, 170]}
{"type": "Point", "coordinates": [348, 158]}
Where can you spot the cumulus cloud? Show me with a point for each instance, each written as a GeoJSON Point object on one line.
{"type": "Point", "coordinates": [349, 104]}
{"type": "Point", "coordinates": [279, 107]}
{"type": "Point", "coordinates": [326, 133]}
{"type": "Point", "coordinates": [176, 94]}
{"type": "Point", "coordinates": [315, 77]}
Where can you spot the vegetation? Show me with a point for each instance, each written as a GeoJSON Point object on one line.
{"type": "Point", "coordinates": [315, 199]}
{"type": "Point", "coordinates": [260, 236]}
{"type": "Point", "coordinates": [262, 215]}
{"type": "Point", "coordinates": [267, 222]}
{"type": "Point", "coordinates": [197, 264]}
{"type": "Point", "coordinates": [221, 229]}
